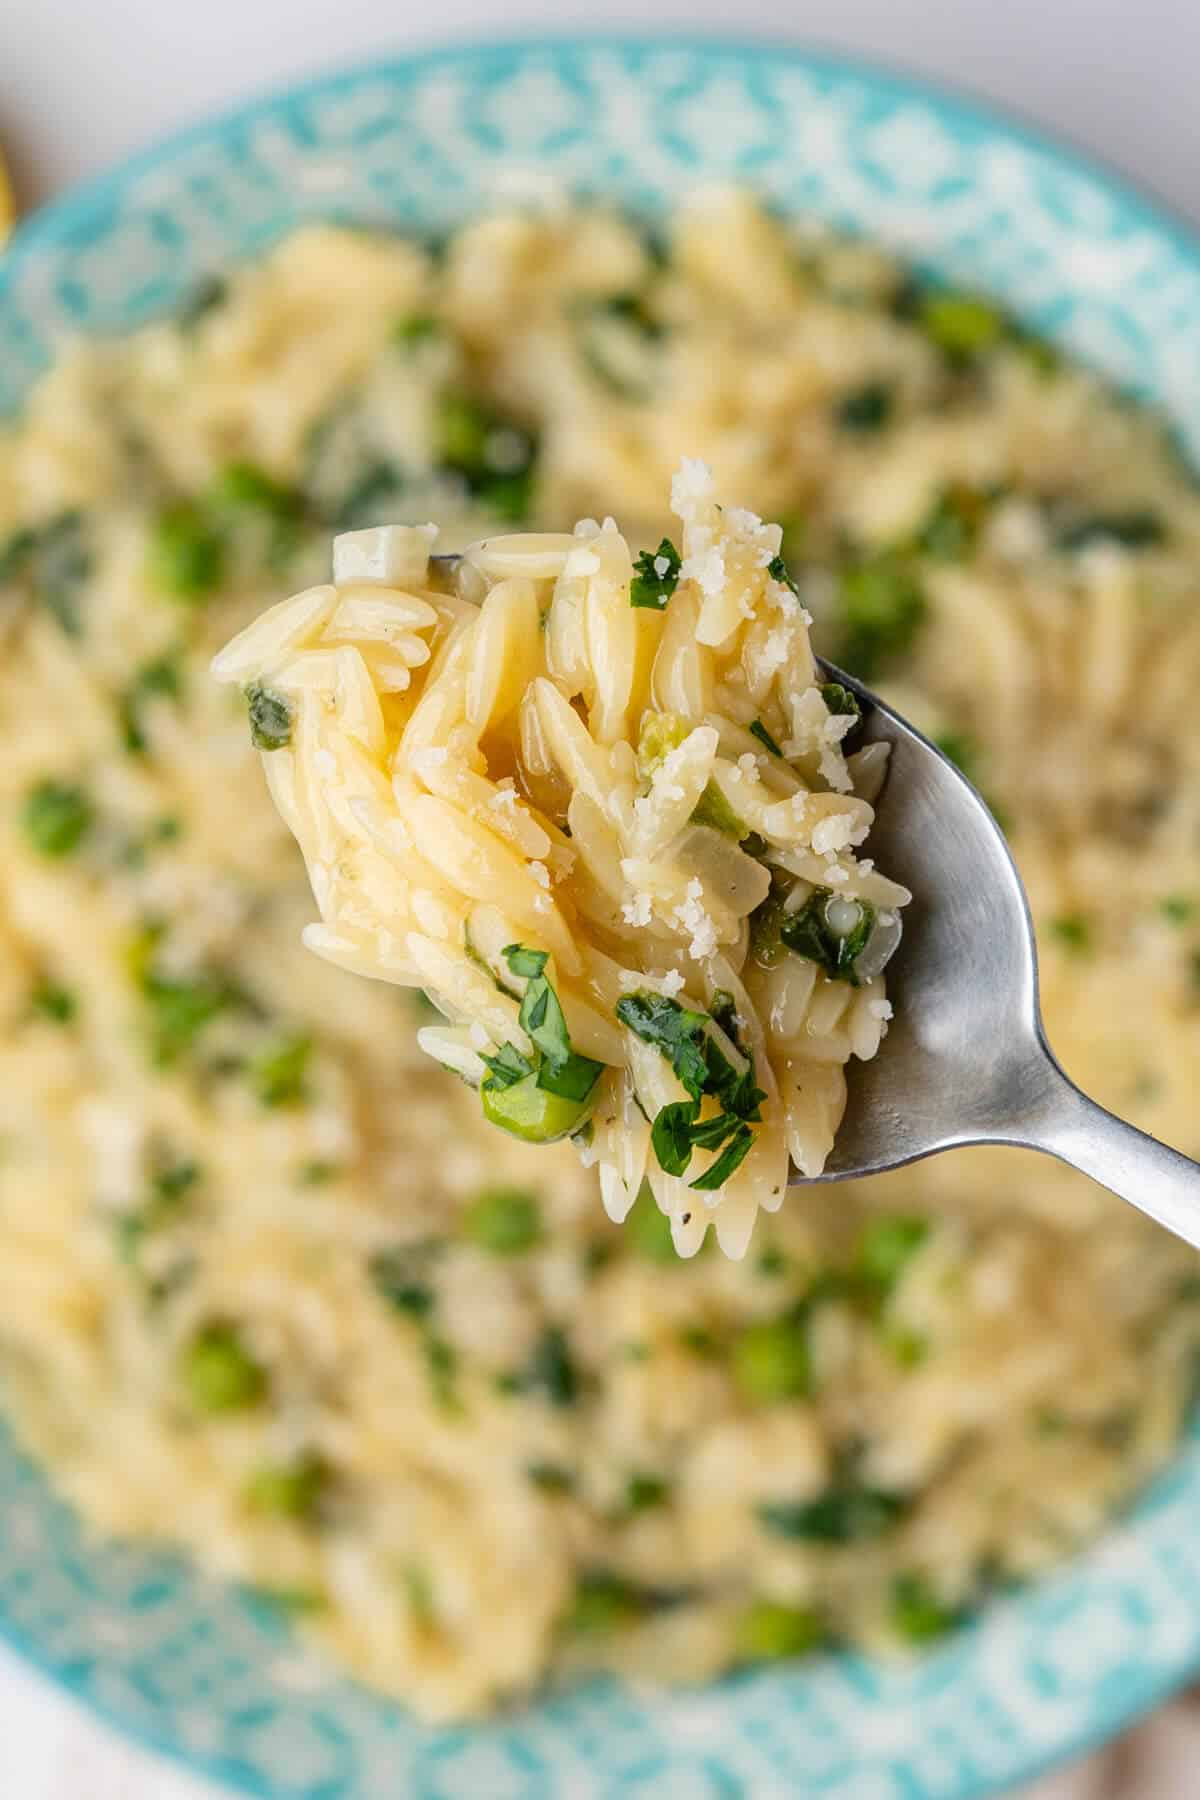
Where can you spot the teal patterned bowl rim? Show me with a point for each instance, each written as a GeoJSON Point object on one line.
{"type": "Point", "coordinates": [207, 1673]}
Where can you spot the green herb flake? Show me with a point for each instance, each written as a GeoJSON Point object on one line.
{"type": "Point", "coordinates": [727, 1164]}
{"type": "Point", "coordinates": [415, 329]}
{"type": "Point", "coordinates": [846, 1513]}
{"type": "Point", "coordinates": [494, 457]}
{"type": "Point", "coordinates": [504, 1221]}
{"type": "Point", "coordinates": [770, 1632]}
{"type": "Point", "coordinates": [56, 817]}
{"type": "Point", "coordinates": [770, 1361]}
{"type": "Point", "coordinates": [882, 607]}
{"type": "Point", "coordinates": [644, 1492]}
{"type": "Point", "coordinates": [1137, 528]}
{"type": "Point", "coordinates": [867, 408]}
{"type": "Point", "coordinates": [186, 553]}
{"type": "Point", "coordinates": [403, 1277]}
{"type": "Point", "coordinates": [655, 577]}
{"type": "Point", "coordinates": [292, 1490]}
{"type": "Point", "coordinates": [674, 1030]}
{"type": "Point", "coordinates": [809, 933]}
{"type": "Point", "coordinates": [907, 1349]}
{"type": "Point", "coordinates": [1071, 931]}
{"type": "Point", "coordinates": [50, 1000]}
{"type": "Point", "coordinates": [917, 1613]}
{"type": "Point", "coordinates": [962, 326]}
{"type": "Point", "coordinates": [55, 561]}
{"type": "Point", "coordinates": [271, 717]}
{"type": "Point", "coordinates": [1179, 909]}
{"type": "Point", "coordinates": [759, 730]}
{"type": "Point", "coordinates": [247, 488]}
{"type": "Point", "coordinates": [951, 531]}
{"type": "Point", "coordinates": [713, 809]}
{"type": "Point", "coordinates": [441, 1360]}
{"type": "Point", "coordinates": [159, 679]}
{"type": "Point", "coordinates": [840, 700]}
{"type": "Point", "coordinates": [219, 1373]}
{"type": "Point", "coordinates": [551, 1370]}
{"type": "Point", "coordinates": [551, 1478]}
{"type": "Point", "coordinates": [210, 292]}
{"type": "Point", "coordinates": [279, 1075]}
{"type": "Point", "coordinates": [960, 748]}
{"type": "Point", "coordinates": [886, 1246]}
{"type": "Point", "coordinates": [604, 1602]}
{"type": "Point", "coordinates": [317, 1173]}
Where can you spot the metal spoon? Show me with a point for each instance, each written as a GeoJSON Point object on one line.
{"type": "Point", "coordinates": [966, 1060]}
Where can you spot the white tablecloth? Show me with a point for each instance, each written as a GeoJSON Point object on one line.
{"type": "Point", "coordinates": [84, 81]}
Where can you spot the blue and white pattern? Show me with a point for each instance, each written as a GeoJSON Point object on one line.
{"type": "Point", "coordinates": [422, 143]}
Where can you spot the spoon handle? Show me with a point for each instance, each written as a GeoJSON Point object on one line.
{"type": "Point", "coordinates": [1157, 1180]}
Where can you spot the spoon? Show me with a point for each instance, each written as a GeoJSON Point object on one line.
{"type": "Point", "coordinates": [966, 1060]}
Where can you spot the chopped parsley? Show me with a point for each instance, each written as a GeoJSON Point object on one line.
{"type": "Point", "coordinates": [504, 1221]}
{"type": "Point", "coordinates": [279, 1074]}
{"type": "Point", "coordinates": [655, 577]}
{"type": "Point", "coordinates": [55, 561]}
{"type": "Point", "coordinates": [885, 1248]}
{"type": "Point", "coordinates": [1136, 528]}
{"type": "Point", "coordinates": [550, 1370]}
{"type": "Point", "coordinates": [713, 809]}
{"type": "Point", "coordinates": [414, 329]}
{"type": "Point", "coordinates": [179, 1009]}
{"type": "Point", "coordinates": [1073, 932]}
{"type": "Point", "coordinates": [759, 730]}
{"type": "Point", "coordinates": [551, 1478]}
{"type": "Point", "coordinates": [809, 933]}
{"type": "Point", "coordinates": [210, 292]}
{"type": "Point", "coordinates": [50, 1000]}
{"type": "Point", "coordinates": [846, 1513]}
{"type": "Point", "coordinates": [866, 408]}
{"type": "Point", "coordinates": [494, 458]}
{"type": "Point", "coordinates": [917, 1613]}
{"type": "Point", "coordinates": [159, 679]}
{"type": "Point", "coordinates": [617, 339]}
{"type": "Point", "coordinates": [186, 553]}
{"type": "Point", "coordinates": [292, 1490]}
{"type": "Point", "coordinates": [543, 1096]}
{"type": "Point", "coordinates": [840, 700]}
{"type": "Point", "coordinates": [643, 1492]}
{"type": "Point", "coordinates": [952, 529]}
{"type": "Point", "coordinates": [604, 1602]}
{"type": "Point", "coordinates": [683, 1037]}
{"type": "Point", "coordinates": [403, 1277]}
{"type": "Point", "coordinates": [270, 717]}
{"type": "Point", "coordinates": [882, 608]}
{"type": "Point", "coordinates": [56, 817]}
{"type": "Point", "coordinates": [1178, 909]}
{"type": "Point", "coordinates": [770, 1360]}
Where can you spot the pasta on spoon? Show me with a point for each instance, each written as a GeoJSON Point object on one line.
{"type": "Point", "coordinates": [604, 811]}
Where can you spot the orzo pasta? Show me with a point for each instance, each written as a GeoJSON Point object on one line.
{"type": "Point", "coordinates": [270, 1289]}
{"type": "Point", "coordinates": [625, 771]}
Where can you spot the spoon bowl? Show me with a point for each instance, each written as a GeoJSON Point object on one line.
{"type": "Point", "coordinates": [966, 1059]}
